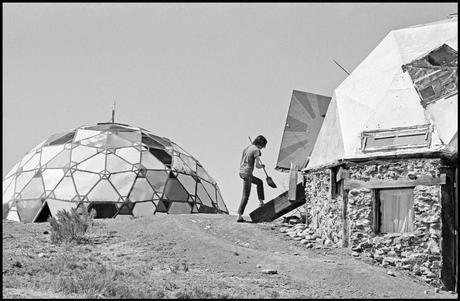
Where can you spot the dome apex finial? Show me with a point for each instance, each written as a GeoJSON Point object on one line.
{"type": "Point", "coordinates": [113, 111]}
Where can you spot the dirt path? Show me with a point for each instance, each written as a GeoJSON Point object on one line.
{"type": "Point", "coordinates": [214, 254]}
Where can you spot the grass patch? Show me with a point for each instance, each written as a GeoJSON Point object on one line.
{"type": "Point", "coordinates": [98, 281]}
{"type": "Point", "coordinates": [70, 226]}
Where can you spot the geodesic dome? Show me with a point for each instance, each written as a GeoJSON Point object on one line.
{"type": "Point", "coordinates": [111, 168]}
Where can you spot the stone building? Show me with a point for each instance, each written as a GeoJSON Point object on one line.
{"type": "Point", "coordinates": [382, 176]}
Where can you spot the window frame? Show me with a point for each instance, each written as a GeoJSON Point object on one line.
{"type": "Point", "coordinates": [377, 206]}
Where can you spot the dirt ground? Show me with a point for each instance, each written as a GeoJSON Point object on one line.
{"type": "Point", "coordinates": [187, 256]}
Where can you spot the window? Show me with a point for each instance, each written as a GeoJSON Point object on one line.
{"type": "Point", "coordinates": [335, 184]}
{"type": "Point", "coordinates": [394, 210]}
{"type": "Point", "coordinates": [434, 75]}
{"type": "Point", "coordinates": [398, 138]}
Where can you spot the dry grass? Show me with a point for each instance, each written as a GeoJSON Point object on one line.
{"type": "Point", "coordinates": [70, 226]}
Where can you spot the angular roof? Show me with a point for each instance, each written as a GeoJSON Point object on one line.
{"type": "Point", "coordinates": [380, 108]}
{"type": "Point", "coordinates": [113, 167]}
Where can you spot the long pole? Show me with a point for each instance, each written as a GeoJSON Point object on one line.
{"type": "Point", "coordinates": [113, 112]}
{"type": "Point", "coordinates": [341, 67]}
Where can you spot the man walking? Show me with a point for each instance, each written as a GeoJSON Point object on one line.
{"type": "Point", "coordinates": [249, 159]}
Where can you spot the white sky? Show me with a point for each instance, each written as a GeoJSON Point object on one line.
{"type": "Point", "coordinates": [206, 76]}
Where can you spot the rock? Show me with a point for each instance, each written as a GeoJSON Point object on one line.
{"type": "Point", "coordinates": [425, 292]}
{"type": "Point", "coordinates": [391, 253]}
{"type": "Point", "coordinates": [406, 267]}
{"type": "Point", "coordinates": [17, 264]}
{"type": "Point", "coordinates": [309, 245]}
{"type": "Point", "coordinates": [433, 247]}
{"type": "Point", "coordinates": [357, 249]}
{"type": "Point", "coordinates": [412, 175]}
{"type": "Point", "coordinates": [41, 255]}
{"type": "Point", "coordinates": [296, 254]}
{"type": "Point", "coordinates": [391, 273]}
{"type": "Point", "coordinates": [317, 247]}
{"type": "Point", "coordinates": [300, 226]}
{"type": "Point", "coordinates": [259, 266]}
{"type": "Point", "coordinates": [298, 238]}
{"type": "Point", "coordinates": [283, 229]}
{"type": "Point", "coordinates": [236, 253]}
{"type": "Point", "coordinates": [355, 254]}
{"type": "Point", "coordinates": [270, 271]}
{"type": "Point", "coordinates": [436, 290]}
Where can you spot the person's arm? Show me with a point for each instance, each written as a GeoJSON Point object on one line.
{"type": "Point", "coordinates": [258, 163]}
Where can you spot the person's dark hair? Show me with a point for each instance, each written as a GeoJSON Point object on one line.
{"type": "Point", "coordinates": [260, 141]}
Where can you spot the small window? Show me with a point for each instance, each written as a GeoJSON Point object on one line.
{"type": "Point", "coordinates": [335, 185]}
{"type": "Point", "coordinates": [394, 210]}
{"type": "Point", "coordinates": [378, 140]}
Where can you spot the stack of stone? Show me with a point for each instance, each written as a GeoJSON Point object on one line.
{"type": "Point", "coordinates": [304, 235]}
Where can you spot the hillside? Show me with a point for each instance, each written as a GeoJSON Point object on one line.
{"type": "Point", "coordinates": [189, 256]}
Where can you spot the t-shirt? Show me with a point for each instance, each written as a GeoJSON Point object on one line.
{"type": "Point", "coordinates": [248, 159]}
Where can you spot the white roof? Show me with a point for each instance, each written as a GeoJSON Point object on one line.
{"type": "Point", "coordinates": [379, 95]}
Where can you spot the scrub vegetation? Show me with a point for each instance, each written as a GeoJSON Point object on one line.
{"type": "Point", "coordinates": [188, 256]}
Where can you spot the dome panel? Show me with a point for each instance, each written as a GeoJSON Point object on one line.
{"type": "Point", "coordinates": [22, 179]}
{"type": "Point", "coordinates": [151, 142]}
{"type": "Point", "coordinates": [161, 155]}
{"type": "Point", "coordinates": [51, 177]}
{"type": "Point", "coordinates": [104, 192]}
{"type": "Point", "coordinates": [61, 160]}
{"type": "Point", "coordinates": [144, 209]}
{"type": "Point", "coordinates": [8, 194]}
{"type": "Point", "coordinates": [130, 136]}
{"type": "Point", "coordinates": [179, 165]}
{"type": "Point", "coordinates": [117, 164]}
{"type": "Point", "coordinates": [34, 189]}
{"type": "Point", "coordinates": [7, 182]}
{"type": "Point", "coordinates": [26, 158]}
{"type": "Point", "coordinates": [94, 164]}
{"type": "Point", "coordinates": [65, 190]}
{"type": "Point", "coordinates": [49, 152]}
{"type": "Point", "coordinates": [123, 182]}
{"type": "Point", "coordinates": [203, 195]}
{"type": "Point", "coordinates": [85, 181]}
{"type": "Point", "coordinates": [188, 182]}
{"type": "Point", "coordinates": [115, 141]}
{"type": "Point", "coordinates": [151, 162]}
{"type": "Point", "coordinates": [141, 191]}
{"type": "Point", "coordinates": [82, 152]}
{"type": "Point", "coordinates": [66, 138]}
{"type": "Point", "coordinates": [157, 178]}
{"type": "Point", "coordinates": [175, 191]}
{"type": "Point", "coordinates": [203, 174]}
{"type": "Point", "coordinates": [220, 202]}
{"type": "Point", "coordinates": [12, 215]}
{"type": "Point", "coordinates": [84, 134]}
{"type": "Point", "coordinates": [161, 206]}
{"type": "Point", "coordinates": [180, 208]}
{"type": "Point", "coordinates": [32, 163]}
{"type": "Point", "coordinates": [96, 141]}
{"type": "Point", "coordinates": [28, 209]}
{"type": "Point", "coordinates": [130, 154]}
{"type": "Point", "coordinates": [210, 190]}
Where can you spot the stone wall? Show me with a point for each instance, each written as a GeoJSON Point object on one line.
{"type": "Point", "coordinates": [418, 251]}
{"type": "Point", "coordinates": [324, 214]}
